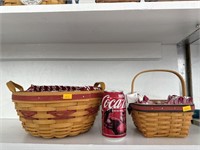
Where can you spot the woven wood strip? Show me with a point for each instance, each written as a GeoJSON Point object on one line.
{"type": "Point", "coordinates": [173, 124]}
{"type": "Point", "coordinates": [58, 128]}
{"type": "Point", "coordinates": [44, 2]}
{"type": "Point", "coordinates": [40, 97]}
{"type": "Point", "coordinates": [53, 120]}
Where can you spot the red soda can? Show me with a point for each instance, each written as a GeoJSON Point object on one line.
{"type": "Point", "coordinates": [114, 114]}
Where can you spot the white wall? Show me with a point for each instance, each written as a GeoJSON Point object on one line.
{"type": "Point", "coordinates": [117, 74]}
{"type": "Point", "coordinates": [1, 79]}
{"type": "Point", "coordinates": [80, 51]}
{"type": "Point", "coordinates": [195, 61]}
{"type": "Point", "coordinates": [86, 1]}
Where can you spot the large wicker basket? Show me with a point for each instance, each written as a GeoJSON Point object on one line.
{"type": "Point", "coordinates": [162, 120]}
{"type": "Point", "coordinates": [56, 114]}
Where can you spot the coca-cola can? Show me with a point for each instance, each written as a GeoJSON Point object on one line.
{"type": "Point", "coordinates": [114, 114]}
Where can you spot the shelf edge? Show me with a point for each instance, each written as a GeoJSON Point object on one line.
{"type": "Point", "coordinates": [101, 7]}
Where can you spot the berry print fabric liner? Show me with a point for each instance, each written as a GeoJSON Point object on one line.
{"type": "Point", "coordinates": [56, 88]}
{"type": "Point", "coordinates": [171, 100]}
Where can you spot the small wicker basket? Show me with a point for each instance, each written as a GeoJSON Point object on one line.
{"type": "Point", "coordinates": [162, 120]}
{"type": "Point", "coordinates": [56, 114]}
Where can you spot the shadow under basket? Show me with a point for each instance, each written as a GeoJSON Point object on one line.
{"type": "Point", "coordinates": [57, 114]}
{"type": "Point", "coordinates": [162, 120]}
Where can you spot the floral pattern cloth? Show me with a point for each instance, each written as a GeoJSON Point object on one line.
{"type": "Point", "coordinates": [56, 88]}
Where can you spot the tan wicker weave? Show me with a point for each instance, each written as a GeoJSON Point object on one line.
{"type": "Point", "coordinates": [56, 118]}
{"type": "Point", "coordinates": [168, 121]}
{"type": "Point", "coordinates": [115, 1]}
{"type": "Point", "coordinates": [44, 2]}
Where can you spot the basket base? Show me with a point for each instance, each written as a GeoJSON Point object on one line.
{"type": "Point", "coordinates": [162, 124]}
{"type": "Point", "coordinates": [59, 129]}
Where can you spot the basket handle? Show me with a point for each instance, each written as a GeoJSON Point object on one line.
{"type": "Point", "coordinates": [12, 86]}
{"type": "Point", "coordinates": [102, 85]}
{"type": "Point", "coordinates": [162, 70]}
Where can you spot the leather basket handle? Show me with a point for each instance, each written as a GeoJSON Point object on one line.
{"type": "Point", "coordinates": [102, 85]}
{"type": "Point", "coordinates": [12, 86]}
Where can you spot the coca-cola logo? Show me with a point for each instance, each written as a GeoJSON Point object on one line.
{"type": "Point", "coordinates": [111, 103]}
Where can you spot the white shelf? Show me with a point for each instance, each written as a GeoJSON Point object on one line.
{"type": "Point", "coordinates": [164, 22]}
{"type": "Point", "coordinates": [102, 7]}
{"type": "Point", "coordinates": [47, 25]}
{"type": "Point", "coordinates": [13, 136]}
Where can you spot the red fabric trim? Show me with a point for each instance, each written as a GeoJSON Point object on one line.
{"type": "Point", "coordinates": [162, 108]}
{"type": "Point", "coordinates": [56, 97]}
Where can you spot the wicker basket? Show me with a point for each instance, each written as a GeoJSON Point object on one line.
{"type": "Point", "coordinates": [162, 120]}
{"type": "Point", "coordinates": [44, 2]}
{"type": "Point", "coordinates": [56, 114]}
{"type": "Point", "coordinates": [115, 1]}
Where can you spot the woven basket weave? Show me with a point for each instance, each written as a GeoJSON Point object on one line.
{"type": "Point", "coordinates": [56, 114]}
{"type": "Point", "coordinates": [44, 2]}
{"type": "Point", "coordinates": [162, 120]}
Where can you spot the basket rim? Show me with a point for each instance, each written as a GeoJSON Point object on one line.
{"type": "Point", "coordinates": [161, 108]}
{"type": "Point", "coordinates": [57, 96]}
{"type": "Point", "coordinates": [27, 93]}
